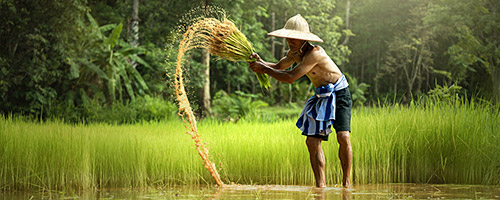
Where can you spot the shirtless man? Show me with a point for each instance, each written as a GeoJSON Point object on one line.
{"type": "Point", "coordinates": [331, 105]}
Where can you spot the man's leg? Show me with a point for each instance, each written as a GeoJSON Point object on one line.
{"type": "Point", "coordinates": [345, 155]}
{"type": "Point", "coordinates": [317, 160]}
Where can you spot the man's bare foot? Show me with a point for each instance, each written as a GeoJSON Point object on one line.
{"type": "Point", "coordinates": [346, 184]}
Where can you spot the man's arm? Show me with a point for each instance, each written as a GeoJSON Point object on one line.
{"type": "Point", "coordinates": [283, 64]}
{"type": "Point", "coordinates": [287, 76]}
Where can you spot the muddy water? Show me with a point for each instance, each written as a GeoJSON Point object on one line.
{"type": "Point", "coordinates": [385, 191]}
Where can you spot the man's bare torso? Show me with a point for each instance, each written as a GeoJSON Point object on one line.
{"type": "Point", "coordinates": [325, 71]}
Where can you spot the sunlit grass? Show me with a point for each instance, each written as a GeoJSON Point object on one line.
{"type": "Point", "coordinates": [434, 144]}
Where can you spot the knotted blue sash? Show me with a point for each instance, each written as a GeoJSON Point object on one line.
{"type": "Point", "coordinates": [319, 112]}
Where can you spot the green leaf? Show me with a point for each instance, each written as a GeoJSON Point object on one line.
{"type": "Point", "coordinates": [139, 79]}
{"type": "Point", "coordinates": [74, 69]}
{"type": "Point", "coordinates": [348, 32]}
{"type": "Point", "coordinates": [115, 34]}
{"type": "Point", "coordinates": [111, 86]}
{"type": "Point", "coordinates": [111, 53]}
{"type": "Point", "coordinates": [94, 26]}
{"type": "Point", "coordinates": [134, 73]}
{"type": "Point", "coordinates": [123, 74]}
{"type": "Point", "coordinates": [92, 20]}
{"type": "Point", "coordinates": [107, 27]}
{"type": "Point", "coordinates": [140, 61]}
{"type": "Point", "coordinates": [85, 98]}
{"type": "Point", "coordinates": [126, 51]}
{"type": "Point", "coordinates": [119, 87]}
{"type": "Point", "coordinates": [96, 70]}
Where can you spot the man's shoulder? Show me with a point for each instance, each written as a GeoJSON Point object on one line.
{"type": "Point", "coordinates": [318, 49]}
{"type": "Point", "coordinates": [318, 52]}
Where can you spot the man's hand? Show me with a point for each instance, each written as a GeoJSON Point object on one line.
{"type": "Point", "coordinates": [259, 65]}
{"type": "Point", "coordinates": [256, 56]}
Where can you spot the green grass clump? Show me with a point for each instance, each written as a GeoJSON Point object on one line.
{"type": "Point", "coordinates": [418, 144]}
{"type": "Point", "coordinates": [440, 143]}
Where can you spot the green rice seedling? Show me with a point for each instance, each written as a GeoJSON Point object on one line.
{"type": "Point", "coordinates": [454, 144]}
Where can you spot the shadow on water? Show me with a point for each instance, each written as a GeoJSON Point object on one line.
{"type": "Point", "coordinates": [376, 191]}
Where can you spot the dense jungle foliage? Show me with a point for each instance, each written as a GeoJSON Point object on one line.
{"type": "Point", "coordinates": [76, 59]}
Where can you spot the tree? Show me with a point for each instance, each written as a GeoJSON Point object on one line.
{"type": "Point", "coordinates": [37, 38]}
{"type": "Point", "coordinates": [323, 22]}
{"type": "Point", "coordinates": [237, 76]}
{"type": "Point", "coordinates": [205, 61]}
{"type": "Point", "coordinates": [134, 26]}
{"type": "Point", "coordinates": [409, 52]}
{"type": "Point", "coordinates": [473, 28]}
{"type": "Point", "coordinates": [348, 33]}
{"type": "Point", "coordinates": [357, 90]}
{"type": "Point", "coordinates": [375, 23]}
{"type": "Point", "coordinates": [103, 67]}
{"type": "Point", "coordinates": [205, 90]}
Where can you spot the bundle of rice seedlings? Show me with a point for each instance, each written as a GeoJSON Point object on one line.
{"type": "Point", "coordinates": [226, 41]}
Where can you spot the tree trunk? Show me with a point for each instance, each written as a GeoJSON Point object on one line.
{"type": "Point", "coordinates": [205, 90]}
{"type": "Point", "coordinates": [273, 38]}
{"type": "Point", "coordinates": [495, 68]}
{"type": "Point", "coordinates": [278, 97]}
{"type": "Point", "coordinates": [362, 78]}
{"type": "Point", "coordinates": [413, 70]}
{"type": "Point", "coordinates": [134, 26]}
{"type": "Point", "coordinates": [283, 43]}
{"type": "Point", "coordinates": [495, 78]}
{"type": "Point", "coordinates": [427, 83]}
{"type": "Point", "coordinates": [378, 70]}
{"type": "Point", "coordinates": [283, 49]}
{"type": "Point", "coordinates": [418, 68]}
{"type": "Point", "coordinates": [419, 81]}
{"type": "Point", "coordinates": [395, 87]}
{"type": "Point", "coordinates": [347, 27]}
{"type": "Point", "coordinates": [409, 93]}
{"type": "Point", "coordinates": [205, 98]}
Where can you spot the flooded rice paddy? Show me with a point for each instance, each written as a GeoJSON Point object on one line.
{"type": "Point", "coordinates": [375, 191]}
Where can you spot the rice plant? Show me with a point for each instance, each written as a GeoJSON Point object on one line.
{"type": "Point", "coordinates": [223, 39]}
{"type": "Point", "coordinates": [454, 144]}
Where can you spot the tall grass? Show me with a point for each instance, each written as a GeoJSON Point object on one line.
{"type": "Point", "coordinates": [441, 143]}
{"type": "Point", "coordinates": [423, 144]}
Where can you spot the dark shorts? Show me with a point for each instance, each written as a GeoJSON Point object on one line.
{"type": "Point", "coordinates": [342, 113]}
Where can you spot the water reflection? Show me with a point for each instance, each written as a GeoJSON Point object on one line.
{"type": "Point", "coordinates": [280, 192]}
{"type": "Point", "coordinates": [331, 193]}
{"type": "Point", "coordinates": [375, 191]}
{"type": "Point", "coordinates": [346, 195]}
{"type": "Point", "coordinates": [382, 191]}
{"type": "Point", "coordinates": [319, 193]}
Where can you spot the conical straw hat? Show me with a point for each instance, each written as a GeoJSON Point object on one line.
{"type": "Point", "coordinates": [296, 28]}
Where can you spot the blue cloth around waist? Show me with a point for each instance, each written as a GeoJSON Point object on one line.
{"type": "Point", "coordinates": [319, 112]}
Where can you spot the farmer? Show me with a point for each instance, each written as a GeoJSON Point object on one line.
{"type": "Point", "coordinates": [331, 104]}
